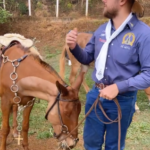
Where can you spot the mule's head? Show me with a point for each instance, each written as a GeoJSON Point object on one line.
{"type": "Point", "coordinates": [67, 108]}
{"type": "Point", "coordinates": [64, 113]}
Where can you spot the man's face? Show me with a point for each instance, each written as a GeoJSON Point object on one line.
{"type": "Point", "coordinates": [110, 8]}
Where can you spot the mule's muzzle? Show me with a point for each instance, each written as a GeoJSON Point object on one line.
{"type": "Point", "coordinates": [63, 145]}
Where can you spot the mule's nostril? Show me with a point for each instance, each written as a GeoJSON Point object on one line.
{"type": "Point", "coordinates": [77, 139]}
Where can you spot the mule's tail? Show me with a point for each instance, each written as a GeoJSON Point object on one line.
{"type": "Point", "coordinates": [62, 63]}
{"type": "Point", "coordinates": [138, 9]}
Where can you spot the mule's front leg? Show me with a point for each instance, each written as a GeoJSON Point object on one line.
{"type": "Point", "coordinates": [6, 108]}
{"type": "Point", "coordinates": [25, 128]}
{"type": "Point", "coordinates": [15, 132]}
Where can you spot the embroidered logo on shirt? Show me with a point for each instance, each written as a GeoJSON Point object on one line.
{"type": "Point", "coordinates": [102, 40]}
{"type": "Point", "coordinates": [128, 39]}
{"type": "Point", "coordinates": [103, 34]}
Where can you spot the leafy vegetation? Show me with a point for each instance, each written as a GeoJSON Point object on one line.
{"type": "Point", "coordinates": [66, 7]}
{"type": "Point", "coordinates": [4, 15]}
{"type": "Point", "coordinates": [23, 8]}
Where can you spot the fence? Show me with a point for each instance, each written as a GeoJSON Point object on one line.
{"type": "Point", "coordinates": [60, 8]}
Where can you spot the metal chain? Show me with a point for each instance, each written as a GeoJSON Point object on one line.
{"type": "Point", "coordinates": [14, 88]}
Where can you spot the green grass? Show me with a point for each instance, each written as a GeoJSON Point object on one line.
{"type": "Point", "coordinates": [138, 136]}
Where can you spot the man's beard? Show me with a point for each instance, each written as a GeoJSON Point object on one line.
{"type": "Point", "coordinates": [110, 14]}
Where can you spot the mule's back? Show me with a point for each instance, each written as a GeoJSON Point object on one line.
{"type": "Point", "coordinates": [82, 40]}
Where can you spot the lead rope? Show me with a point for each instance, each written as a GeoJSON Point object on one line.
{"type": "Point", "coordinates": [118, 119]}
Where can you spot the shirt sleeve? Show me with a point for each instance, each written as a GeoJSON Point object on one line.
{"type": "Point", "coordinates": [142, 80]}
{"type": "Point", "coordinates": [85, 56]}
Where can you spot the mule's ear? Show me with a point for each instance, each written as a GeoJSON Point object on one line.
{"type": "Point", "coordinates": [77, 84]}
{"type": "Point", "coordinates": [63, 90]}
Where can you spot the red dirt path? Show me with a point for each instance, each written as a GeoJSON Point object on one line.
{"type": "Point", "coordinates": [37, 144]}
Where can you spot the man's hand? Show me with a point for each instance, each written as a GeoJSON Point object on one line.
{"type": "Point", "coordinates": [71, 38]}
{"type": "Point", "coordinates": [109, 92]}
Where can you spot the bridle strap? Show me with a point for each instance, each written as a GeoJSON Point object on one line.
{"type": "Point", "coordinates": [61, 121]}
{"type": "Point", "coordinates": [56, 100]}
{"type": "Point", "coordinates": [64, 127]}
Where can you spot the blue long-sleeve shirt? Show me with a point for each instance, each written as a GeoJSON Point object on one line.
{"type": "Point", "coordinates": [128, 55]}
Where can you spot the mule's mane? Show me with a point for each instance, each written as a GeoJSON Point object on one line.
{"type": "Point", "coordinates": [33, 52]}
{"type": "Point", "coordinates": [48, 67]}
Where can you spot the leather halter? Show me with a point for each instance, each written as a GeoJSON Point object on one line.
{"type": "Point", "coordinates": [64, 129]}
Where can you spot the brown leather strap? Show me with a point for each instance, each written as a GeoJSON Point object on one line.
{"type": "Point", "coordinates": [118, 119]}
{"type": "Point", "coordinates": [100, 85]}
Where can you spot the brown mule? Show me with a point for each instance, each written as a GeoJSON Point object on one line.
{"type": "Point", "coordinates": [24, 76]}
{"type": "Point", "coordinates": [82, 40]}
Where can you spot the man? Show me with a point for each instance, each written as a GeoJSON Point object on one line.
{"type": "Point", "coordinates": [121, 49]}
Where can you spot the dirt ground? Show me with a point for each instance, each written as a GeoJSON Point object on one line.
{"type": "Point", "coordinates": [37, 144]}
{"type": "Point", "coordinates": [49, 31]}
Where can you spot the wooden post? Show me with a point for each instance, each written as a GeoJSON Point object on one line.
{"type": "Point", "coordinates": [4, 6]}
{"type": "Point", "coordinates": [57, 8]}
{"type": "Point", "coordinates": [86, 11]}
{"type": "Point", "coordinates": [29, 7]}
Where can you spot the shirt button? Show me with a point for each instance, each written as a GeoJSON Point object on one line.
{"type": "Point", "coordinates": [108, 55]}
{"type": "Point", "coordinates": [112, 44]}
{"type": "Point", "coordinates": [105, 79]}
{"type": "Point", "coordinates": [106, 68]}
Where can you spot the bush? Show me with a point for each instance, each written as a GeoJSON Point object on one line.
{"type": "Point", "coordinates": [39, 5]}
{"type": "Point", "coordinates": [23, 8]}
{"type": "Point", "coordinates": [4, 15]}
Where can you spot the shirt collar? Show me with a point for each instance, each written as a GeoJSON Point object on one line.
{"type": "Point", "coordinates": [130, 24]}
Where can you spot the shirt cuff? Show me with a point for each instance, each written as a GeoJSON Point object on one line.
{"type": "Point", "coordinates": [123, 86]}
{"type": "Point", "coordinates": [76, 50]}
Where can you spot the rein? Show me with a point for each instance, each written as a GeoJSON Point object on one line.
{"type": "Point", "coordinates": [118, 119]}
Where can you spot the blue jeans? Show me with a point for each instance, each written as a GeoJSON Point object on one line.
{"type": "Point", "coordinates": [94, 130]}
